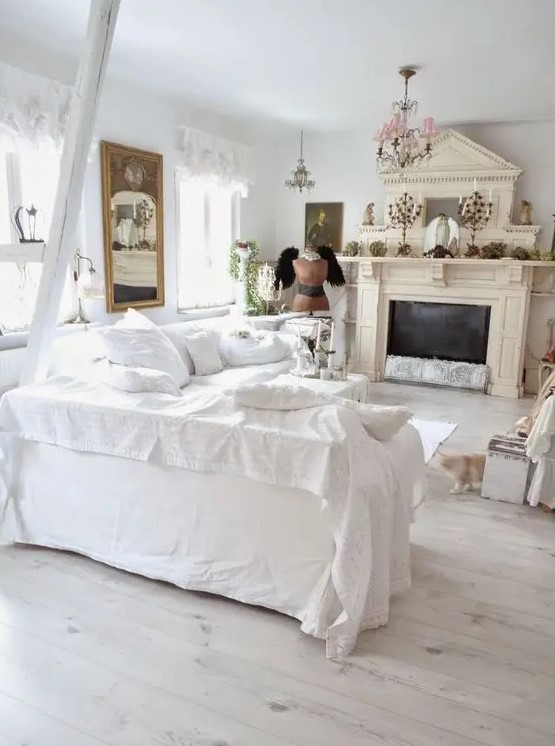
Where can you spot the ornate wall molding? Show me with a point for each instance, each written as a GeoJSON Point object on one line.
{"type": "Point", "coordinates": [506, 286]}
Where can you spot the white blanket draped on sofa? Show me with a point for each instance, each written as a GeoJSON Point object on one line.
{"type": "Point", "coordinates": [324, 450]}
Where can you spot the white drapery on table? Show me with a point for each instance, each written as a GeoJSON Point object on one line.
{"type": "Point", "coordinates": [323, 450]}
{"type": "Point", "coordinates": [214, 159]}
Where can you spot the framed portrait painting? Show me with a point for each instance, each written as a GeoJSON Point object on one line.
{"type": "Point", "coordinates": [133, 211]}
{"type": "Point", "coordinates": [323, 224]}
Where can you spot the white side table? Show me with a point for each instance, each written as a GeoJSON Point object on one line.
{"type": "Point", "coordinates": [274, 322]}
{"type": "Point", "coordinates": [355, 387]}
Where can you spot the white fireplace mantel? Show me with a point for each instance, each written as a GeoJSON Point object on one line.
{"type": "Point", "coordinates": [505, 285]}
{"type": "Point", "coordinates": [456, 165]}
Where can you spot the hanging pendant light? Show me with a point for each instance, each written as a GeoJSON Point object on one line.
{"type": "Point", "coordinates": [402, 147]}
{"type": "Point", "coordinates": [301, 178]}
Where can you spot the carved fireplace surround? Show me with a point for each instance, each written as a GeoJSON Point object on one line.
{"type": "Point", "coordinates": [506, 285]}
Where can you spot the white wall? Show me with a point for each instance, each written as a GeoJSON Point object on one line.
{"type": "Point", "coordinates": [529, 145]}
{"type": "Point", "coordinates": [134, 117]}
{"type": "Point", "coordinates": [343, 165]}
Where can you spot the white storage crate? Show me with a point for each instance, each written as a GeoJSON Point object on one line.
{"type": "Point", "coordinates": [508, 471]}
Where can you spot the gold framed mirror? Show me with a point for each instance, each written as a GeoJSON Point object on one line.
{"type": "Point", "coordinates": [133, 217]}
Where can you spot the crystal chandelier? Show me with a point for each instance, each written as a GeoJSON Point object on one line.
{"type": "Point", "coordinates": [301, 175]}
{"type": "Point", "coordinates": [402, 146]}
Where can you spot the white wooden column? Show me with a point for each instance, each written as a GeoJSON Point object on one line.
{"type": "Point", "coordinates": [62, 241]}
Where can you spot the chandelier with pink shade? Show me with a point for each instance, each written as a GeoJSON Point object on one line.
{"type": "Point", "coordinates": [401, 146]}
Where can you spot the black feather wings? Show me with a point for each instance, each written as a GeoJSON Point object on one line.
{"type": "Point", "coordinates": [284, 270]}
{"type": "Point", "coordinates": [335, 273]}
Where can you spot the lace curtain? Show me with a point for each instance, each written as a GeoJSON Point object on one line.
{"type": "Point", "coordinates": [214, 159]}
{"type": "Point", "coordinates": [34, 111]}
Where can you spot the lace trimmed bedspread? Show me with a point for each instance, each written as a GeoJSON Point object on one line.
{"type": "Point", "coordinates": [324, 450]}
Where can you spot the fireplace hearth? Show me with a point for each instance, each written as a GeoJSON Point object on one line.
{"type": "Point", "coordinates": [443, 344]}
{"type": "Point", "coordinates": [451, 332]}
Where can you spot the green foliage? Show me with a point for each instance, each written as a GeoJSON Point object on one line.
{"type": "Point", "coordinates": [536, 255]}
{"type": "Point", "coordinates": [472, 252]}
{"type": "Point", "coordinates": [493, 250]}
{"type": "Point", "coordinates": [352, 249]}
{"type": "Point", "coordinates": [377, 248]}
{"type": "Point", "coordinates": [404, 249]}
{"type": "Point", "coordinates": [255, 304]}
{"type": "Point", "coordinates": [520, 253]}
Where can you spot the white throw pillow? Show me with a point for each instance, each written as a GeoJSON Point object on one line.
{"type": "Point", "coordinates": [203, 349]}
{"type": "Point", "coordinates": [382, 423]}
{"type": "Point", "coordinates": [144, 348]}
{"type": "Point", "coordinates": [176, 335]}
{"type": "Point", "coordinates": [139, 380]}
{"type": "Point", "coordinates": [256, 349]}
{"type": "Point", "coordinates": [132, 319]}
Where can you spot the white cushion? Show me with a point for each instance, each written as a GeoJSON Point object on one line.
{"type": "Point", "coordinates": [132, 319]}
{"type": "Point", "coordinates": [177, 332]}
{"type": "Point", "coordinates": [203, 349]}
{"type": "Point", "coordinates": [382, 423]}
{"type": "Point", "coordinates": [139, 380]}
{"type": "Point", "coordinates": [256, 349]}
{"type": "Point", "coordinates": [143, 345]}
{"type": "Point", "coordinates": [176, 335]}
{"type": "Point", "coordinates": [278, 396]}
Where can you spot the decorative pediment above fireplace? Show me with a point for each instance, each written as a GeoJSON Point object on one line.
{"type": "Point", "coordinates": [457, 165]}
{"type": "Point", "coordinates": [456, 158]}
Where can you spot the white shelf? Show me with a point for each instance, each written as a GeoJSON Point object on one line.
{"type": "Point", "coordinates": [21, 252]}
{"type": "Point", "coordinates": [542, 295]}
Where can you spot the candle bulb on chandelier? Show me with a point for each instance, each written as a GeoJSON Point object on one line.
{"type": "Point", "coordinates": [475, 185]}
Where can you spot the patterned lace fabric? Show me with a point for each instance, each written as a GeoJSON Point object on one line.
{"type": "Point", "coordinates": [211, 158]}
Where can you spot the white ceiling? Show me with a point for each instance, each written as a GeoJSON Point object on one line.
{"type": "Point", "coordinates": [323, 64]}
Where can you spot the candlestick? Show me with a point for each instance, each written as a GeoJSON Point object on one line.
{"type": "Point", "coordinates": [460, 200]}
{"type": "Point", "coordinates": [318, 335]}
{"type": "Point", "coordinates": [490, 195]}
{"type": "Point", "coordinates": [474, 184]}
{"type": "Point", "coordinates": [332, 335]}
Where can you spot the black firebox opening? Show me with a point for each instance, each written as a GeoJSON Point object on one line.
{"type": "Point", "coordinates": [446, 331]}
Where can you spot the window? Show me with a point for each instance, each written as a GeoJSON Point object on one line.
{"type": "Point", "coordinates": [27, 178]}
{"type": "Point", "coordinates": [208, 224]}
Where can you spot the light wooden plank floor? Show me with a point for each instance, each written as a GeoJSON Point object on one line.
{"type": "Point", "coordinates": [91, 655]}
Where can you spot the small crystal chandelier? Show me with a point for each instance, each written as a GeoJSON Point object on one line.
{"type": "Point", "coordinates": [301, 175]}
{"type": "Point", "coordinates": [401, 146]}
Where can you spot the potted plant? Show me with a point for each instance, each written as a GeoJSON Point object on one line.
{"type": "Point", "coordinates": [352, 248]}
{"type": "Point", "coordinates": [377, 248]}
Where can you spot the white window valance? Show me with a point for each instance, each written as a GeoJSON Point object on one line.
{"type": "Point", "coordinates": [34, 110]}
{"type": "Point", "coordinates": [216, 159]}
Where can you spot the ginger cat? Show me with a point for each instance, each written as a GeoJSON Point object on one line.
{"type": "Point", "coordinates": [466, 469]}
